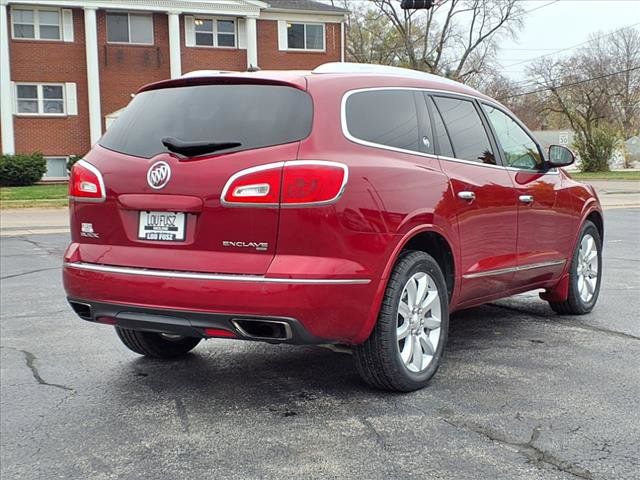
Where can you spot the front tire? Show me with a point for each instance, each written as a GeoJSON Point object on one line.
{"type": "Point", "coordinates": [585, 274]}
{"type": "Point", "coordinates": [406, 346]}
{"type": "Point", "coordinates": [156, 345]}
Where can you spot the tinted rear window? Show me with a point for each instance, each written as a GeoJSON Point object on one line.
{"type": "Point", "coordinates": [385, 117]}
{"type": "Point", "coordinates": [254, 115]}
{"type": "Point", "coordinates": [470, 140]}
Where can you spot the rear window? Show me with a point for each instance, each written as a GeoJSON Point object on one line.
{"type": "Point", "coordinates": [253, 115]}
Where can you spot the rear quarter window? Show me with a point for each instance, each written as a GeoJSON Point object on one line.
{"type": "Point", "coordinates": [384, 117]}
{"type": "Point", "coordinates": [254, 115]}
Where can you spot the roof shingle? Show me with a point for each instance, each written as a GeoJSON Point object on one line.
{"type": "Point", "coordinates": [309, 5]}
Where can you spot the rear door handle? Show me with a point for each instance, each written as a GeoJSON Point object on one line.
{"type": "Point", "coordinates": [526, 198]}
{"type": "Point", "coordinates": [468, 196]}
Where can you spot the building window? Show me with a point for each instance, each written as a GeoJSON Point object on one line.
{"type": "Point", "coordinates": [56, 168]}
{"type": "Point", "coordinates": [305, 36]}
{"type": "Point", "coordinates": [36, 23]}
{"type": "Point", "coordinates": [40, 99]}
{"type": "Point", "coordinates": [135, 28]}
{"type": "Point", "coordinates": [215, 33]}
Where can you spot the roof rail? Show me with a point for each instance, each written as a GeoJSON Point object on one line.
{"type": "Point", "coordinates": [366, 68]}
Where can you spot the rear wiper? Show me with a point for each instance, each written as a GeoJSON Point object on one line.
{"type": "Point", "coordinates": [195, 148]}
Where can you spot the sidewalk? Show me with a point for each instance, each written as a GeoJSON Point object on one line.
{"type": "Point", "coordinates": [617, 193]}
{"type": "Point", "coordinates": [31, 221]}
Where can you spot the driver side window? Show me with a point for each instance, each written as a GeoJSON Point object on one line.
{"type": "Point", "coordinates": [520, 151]}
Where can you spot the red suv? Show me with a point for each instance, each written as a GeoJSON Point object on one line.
{"type": "Point", "coordinates": [355, 205]}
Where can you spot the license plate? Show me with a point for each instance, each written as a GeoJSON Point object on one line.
{"type": "Point", "coordinates": [162, 226]}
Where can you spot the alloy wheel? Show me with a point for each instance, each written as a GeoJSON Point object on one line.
{"type": "Point", "coordinates": [587, 269]}
{"type": "Point", "coordinates": [419, 319]}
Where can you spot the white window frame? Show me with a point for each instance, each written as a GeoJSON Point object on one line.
{"type": "Point", "coordinates": [40, 99]}
{"type": "Point", "coordinates": [305, 49]}
{"type": "Point", "coordinates": [141, 14]}
{"type": "Point", "coordinates": [36, 23]}
{"type": "Point", "coordinates": [215, 32]}
{"type": "Point", "coordinates": [52, 157]}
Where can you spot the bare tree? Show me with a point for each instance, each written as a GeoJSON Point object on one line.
{"type": "Point", "coordinates": [620, 52]}
{"type": "Point", "coordinates": [597, 90]}
{"type": "Point", "coordinates": [456, 38]}
{"type": "Point", "coordinates": [371, 38]}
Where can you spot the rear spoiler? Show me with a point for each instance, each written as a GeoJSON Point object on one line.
{"type": "Point", "coordinates": [231, 78]}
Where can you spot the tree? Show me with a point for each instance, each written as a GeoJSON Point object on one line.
{"type": "Point", "coordinates": [597, 90]}
{"type": "Point", "coordinates": [371, 38]}
{"type": "Point", "coordinates": [622, 53]}
{"type": "Point", "coordinates": [457, 38]}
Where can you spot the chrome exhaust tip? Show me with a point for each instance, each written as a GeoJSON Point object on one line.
{"type": "Point", "coordinates": [263, 329]}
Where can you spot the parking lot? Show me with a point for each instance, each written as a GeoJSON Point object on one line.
{"type": "Point", "coordinates": [523, 393]}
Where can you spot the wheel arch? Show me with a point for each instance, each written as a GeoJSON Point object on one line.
{"type": "Point", "coordinates": [595, 216]}
{"type": "Point", "coordinates": [560, 292]}
{"type": "Point", "coordinates": [430, 239]}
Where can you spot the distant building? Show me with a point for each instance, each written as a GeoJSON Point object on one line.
{"type": "Point", "coordinates": [68, 66]}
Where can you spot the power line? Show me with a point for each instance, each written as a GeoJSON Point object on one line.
{"type": "Point", "coordinates": [569, 48]}
{"type": "Point", "coordinates": [571, 84]}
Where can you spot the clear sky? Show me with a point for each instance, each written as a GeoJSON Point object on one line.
{"type": "Point", "coordinates": [558, 25]}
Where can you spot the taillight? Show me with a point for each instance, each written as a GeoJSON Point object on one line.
{"type": "Point", "coordinates": [86, 184]}
{"type": "Point", "coordinates": [254, 186]}
{"type": "Point", "coordinates": [287, 184]}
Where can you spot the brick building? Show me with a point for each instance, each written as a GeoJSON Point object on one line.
{"type": "Point", "coordinates": [67, 66]}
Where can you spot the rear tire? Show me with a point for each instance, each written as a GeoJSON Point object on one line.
{"type": "Point", "coordinates": [156, 345]}
{"type": "Point", "coordinates": [407, 344]}
{"type": "Point", "coordinates": [585, 274]}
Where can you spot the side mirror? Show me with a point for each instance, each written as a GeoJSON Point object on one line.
{"type": "Point", "coordinates": [560, 156]}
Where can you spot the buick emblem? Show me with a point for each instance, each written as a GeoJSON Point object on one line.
{"type": "Point", "coordinates": [158, 175]}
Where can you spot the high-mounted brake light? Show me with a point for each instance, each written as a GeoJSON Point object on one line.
{"type": "Point", "coordinates": [287, 184]}
{"type": "Point", "coordinates": [86, 183]}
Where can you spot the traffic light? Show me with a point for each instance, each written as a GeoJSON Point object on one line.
{"type": "Point", "coordinates": [416, 4]}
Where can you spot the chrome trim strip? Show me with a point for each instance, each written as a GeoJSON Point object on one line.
{"type": "Point", "coordinates": [521, 268]}
{"type": "Point", "coordinates": [213, 276]}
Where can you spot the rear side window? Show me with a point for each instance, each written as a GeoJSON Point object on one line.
{"type": "Point", "coordinates": [384, 117]}
{"type": "Point", "coordinates": [253, 115]}
{"type": "Point", "coordinates": [467, 133]}
{"type": "Point", "coordinates": [442, 137]}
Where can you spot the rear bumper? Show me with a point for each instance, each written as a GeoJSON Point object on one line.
{"type": "Point", "coordinates": [313, 310]}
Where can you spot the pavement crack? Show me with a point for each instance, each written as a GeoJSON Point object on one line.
{"type": "Point", "coordinates": [534, 454]}
{"type": "Point", "coordinates": [374, 432]}
{"type": "Point", "coordinates": [28, 273]}
{"type": "Point", "coordinates": [30, 360]}
{"type": "Point", "coordinates": [564, 320]}
{"type": "Point", "coordinates": [181, 411]}
{"type": "Point", "coordinates": [40, 246]}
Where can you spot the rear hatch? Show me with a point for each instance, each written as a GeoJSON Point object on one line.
{"type": "Point", "coordinates": [162, 208]}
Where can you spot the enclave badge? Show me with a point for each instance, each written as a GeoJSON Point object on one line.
{"type": "Point", "coordinates": [158, 175]}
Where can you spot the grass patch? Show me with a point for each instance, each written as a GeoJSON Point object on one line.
{"type": "Point", "coordinates": [34, 196]}
{"type": "Point", "coordinates": [617, 175]}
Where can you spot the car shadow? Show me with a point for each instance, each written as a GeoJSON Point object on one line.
{"type": "Point", "coordinates": [291, 380]}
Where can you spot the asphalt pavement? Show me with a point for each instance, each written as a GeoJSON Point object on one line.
{"type": "Point", "coordinates": [523, 393]}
